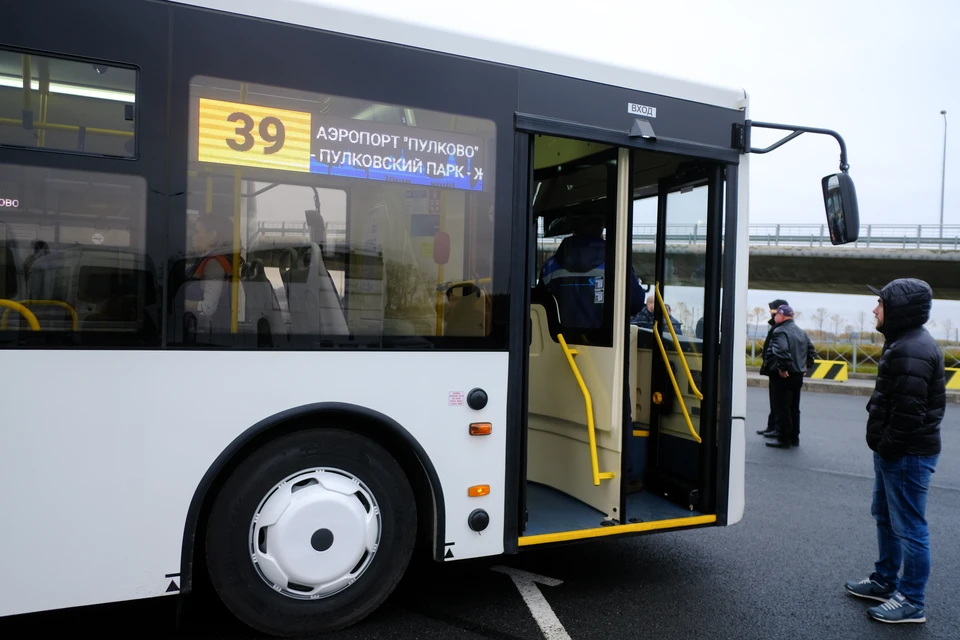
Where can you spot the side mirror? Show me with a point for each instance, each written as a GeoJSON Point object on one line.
{"type": "Point", "coordinates": [441, 247]}
{"type": "Point", "coordinates": [840, 202]}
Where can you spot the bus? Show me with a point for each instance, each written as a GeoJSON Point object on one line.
{"type": "Point", "coordinates": [291, 293]}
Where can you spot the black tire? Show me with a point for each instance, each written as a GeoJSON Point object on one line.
{"type": "Point", "coordinates": [232, 572]}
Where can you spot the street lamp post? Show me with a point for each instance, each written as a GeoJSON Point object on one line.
{"type": "Point", "coordinates": [943, 169]}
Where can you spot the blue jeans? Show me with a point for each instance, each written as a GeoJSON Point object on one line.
{"type": "Point", "coordinates": [899, 507]}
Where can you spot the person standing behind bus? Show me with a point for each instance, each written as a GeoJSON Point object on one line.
{"type": "Point", "coordinates": [771, 430]}
{"type": "Point", "coordinates": [903, 430]}
{"type": "Point", "coordinates": [212, 237]}
{"type": "Point", "coordinates": [791, 354]}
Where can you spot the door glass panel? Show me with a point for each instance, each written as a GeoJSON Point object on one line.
{"type": "Point", "coordinates": [684, 260]}
{"type": "Point", "coordinates": [671, 200]}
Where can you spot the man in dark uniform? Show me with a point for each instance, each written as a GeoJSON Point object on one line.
{"type": "Point", "coordinates": [771, 430]}
{"type": "Point", "coordinates": [791, 355]}
{"type": "Point", "coordinates": [575, 276]}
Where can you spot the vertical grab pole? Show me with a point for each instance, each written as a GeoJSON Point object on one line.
{"type": "Point", "coordinates": [235, 277]}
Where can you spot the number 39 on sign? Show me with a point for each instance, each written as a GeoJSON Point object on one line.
{"type": "Point", "coordinates": [253, 136]}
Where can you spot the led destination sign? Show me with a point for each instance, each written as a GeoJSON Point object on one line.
{"type": "Point", "coordinates": [269, 138]}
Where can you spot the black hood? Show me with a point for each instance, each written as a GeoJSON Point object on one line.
{"type": "Point", "coordinates": [581, 253]}
{"type": "Point", "coordinates": [906, 305]}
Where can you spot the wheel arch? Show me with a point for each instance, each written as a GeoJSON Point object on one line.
{"type": "Point", "coordinates": [380, 428]}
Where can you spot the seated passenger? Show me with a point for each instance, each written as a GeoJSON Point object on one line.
{"type": "Point", "coordinates": [574, 276]}
{"type": "Point", "coordinates": [213, 269]}
{"type": "Point", "coordinates": [645, 317]}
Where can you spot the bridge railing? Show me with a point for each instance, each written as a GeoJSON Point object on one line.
{"type": "Point", "coordinates": [812, 235]}
{"type": "Point", "coordinates": [918, 236]}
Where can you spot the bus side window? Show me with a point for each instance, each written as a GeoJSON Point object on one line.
{"type": "Point", "coordinates": [85, 275]}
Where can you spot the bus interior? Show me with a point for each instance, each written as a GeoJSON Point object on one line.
{"type": "Point", "coordinates": [609, 441]}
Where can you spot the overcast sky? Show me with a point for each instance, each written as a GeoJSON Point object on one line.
{"type": "Point", "coordinates": [879, 72]}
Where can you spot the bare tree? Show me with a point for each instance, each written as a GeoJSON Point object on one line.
{"type": "Point", "coordinates": [682, 313]}
{"type": "Point", "coordinates": [947, 328]}
{"type": "Point", "coordinates": [861, 321]}
{"type": "Point", "coordinates": [819, 318]}
{"type": "Point", "coordinates": [756, 316]}
{"type": "Point", "coordinates": [836, 321]}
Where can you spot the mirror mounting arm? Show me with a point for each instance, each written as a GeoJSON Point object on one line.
{"type": "Point", "coordinates": [741, 138]}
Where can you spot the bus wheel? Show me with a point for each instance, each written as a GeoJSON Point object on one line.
{"type": "Point", "coordinates": [311, 533]}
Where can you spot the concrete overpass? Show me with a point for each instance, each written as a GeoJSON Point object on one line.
{"type": "Point", "coordinates": [791, 257]}
{"type": "Point", "coordinates": [801, 258]}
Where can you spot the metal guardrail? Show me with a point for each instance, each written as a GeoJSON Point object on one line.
{"type": "Point", "coordinates": [817, 235]}
{"type": "Point", "coordinates": [812, 235]}
{"type": "Point", "coordinates": [931, 236]}
{"type": "Point", "coordinates": [918, 236]}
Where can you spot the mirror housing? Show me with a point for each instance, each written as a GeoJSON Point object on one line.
{"type": "Point", "coordinates": [840, 203]}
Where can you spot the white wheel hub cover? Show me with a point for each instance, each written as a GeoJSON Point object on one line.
{"type": "Point", "coordinates": [315, 533]}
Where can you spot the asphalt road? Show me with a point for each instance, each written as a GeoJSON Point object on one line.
{"type": "Point", "coordinates": [777, 574]}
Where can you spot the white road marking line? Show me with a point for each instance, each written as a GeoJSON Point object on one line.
{"type": "Point", "coordinates": [540, 609]}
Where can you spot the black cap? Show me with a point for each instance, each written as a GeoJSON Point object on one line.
{"type": "Point", "coordinates": [776, 303]}
{"type": "Point", "coordinates": [875, 290]}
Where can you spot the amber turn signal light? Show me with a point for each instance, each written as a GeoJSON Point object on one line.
{"type": "Point", "coordinates": [481, 428]}
{"type": "Point", "coordinates": [478, 490]}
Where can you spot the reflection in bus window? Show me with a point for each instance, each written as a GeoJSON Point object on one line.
{"type": "Point", "coordinates": [51, 103]}
{"type": "Point", "coordinates": [348, 220]}
{"type": "Point", "coordinates": [73, 255]}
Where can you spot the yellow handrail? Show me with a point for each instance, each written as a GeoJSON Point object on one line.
{"type": "Point", "coordinates": [673, 380]}
{"type": "Point", "coordinates": [597, 474]}
{"type": "Point", "coordinates": [676, 343]}
{"type": "Point", "coordinates": [53, 303]}
{"type": "Point", "coordinates": [22, 310]}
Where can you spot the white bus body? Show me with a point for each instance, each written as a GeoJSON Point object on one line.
{"type": "Point", "coordinates": [412, 354]}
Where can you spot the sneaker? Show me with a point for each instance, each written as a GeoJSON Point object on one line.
{"type": "Point", "coordinates": [896, 610]}
{"type": "Point", "coordinates": [870, 589]}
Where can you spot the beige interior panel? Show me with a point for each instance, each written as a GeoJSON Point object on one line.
{"type": "Point", "coordinates": [558, 446]}
{"type": "Point", "coordinates": [554, 392]}
{"type": "Point", "coordinates": [673, 424]}
{"type": "Point", "coordinates": [564, 463]}
{"type": "Point", "coordinates": [641, 411]}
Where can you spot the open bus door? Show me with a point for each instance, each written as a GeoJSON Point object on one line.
{"type": "Point", "coordinates": [682, 447]}
{"type": "Point", "coordinates": [599, 449]}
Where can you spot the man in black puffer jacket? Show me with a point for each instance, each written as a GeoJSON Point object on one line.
{"type": "Point", "coordinates": [903, 430]}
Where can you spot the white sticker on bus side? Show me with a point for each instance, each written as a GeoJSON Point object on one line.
{"type": "Point", "coordinates": [641, 110]}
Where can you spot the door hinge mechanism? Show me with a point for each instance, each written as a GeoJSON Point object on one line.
{"type": "Point", "coordinates": [739, 138]}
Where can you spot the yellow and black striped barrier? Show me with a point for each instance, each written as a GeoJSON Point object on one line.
{"type": "Point", "coordinates": [953, 378]}
{"type": "Point", "coordinates": [829, 370]}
